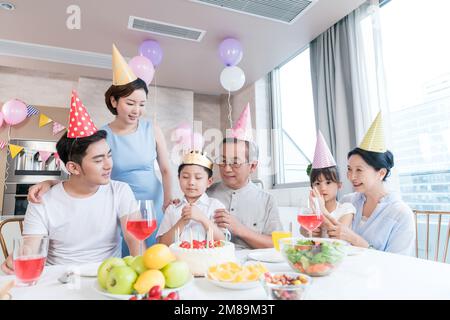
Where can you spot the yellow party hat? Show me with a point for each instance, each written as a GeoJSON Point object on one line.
{"type": "Point", "coordinates": [122, 73]}
{"type": "Point", "coordinates": [374, 138]}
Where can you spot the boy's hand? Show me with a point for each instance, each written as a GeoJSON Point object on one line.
{"type": "Point", "coordinates": [192, 212]}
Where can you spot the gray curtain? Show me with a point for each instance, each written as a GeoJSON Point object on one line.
{"type": "Point", "coordinates": [333, 93]}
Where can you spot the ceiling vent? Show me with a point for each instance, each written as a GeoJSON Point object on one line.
{"type": "Point", "coordinates": [286, 11]}
{"type": "Point", "coordinates": [55, 54]}
{"type": "Point", "coordinates": [165, 29]}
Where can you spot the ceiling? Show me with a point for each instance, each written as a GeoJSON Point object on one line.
{"type": "Point", "coordinates": [186, 64]}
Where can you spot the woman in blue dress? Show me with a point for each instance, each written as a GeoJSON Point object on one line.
{"type": "Point", "coordinates": [382, 220]}
{"type": "Point", "coordinates": [135, 144]}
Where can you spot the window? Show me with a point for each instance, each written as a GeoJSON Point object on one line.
{"type": "Point", "coordinates": [417, 67]}
{"type": "Point", "coordinates": [294, 121]}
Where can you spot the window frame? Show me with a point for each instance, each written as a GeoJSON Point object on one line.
{"type": "Point", "coordinates": [276, 143]}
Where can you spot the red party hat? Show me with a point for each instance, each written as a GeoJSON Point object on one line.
{"type": "Point", "coordinates": [80, 123]}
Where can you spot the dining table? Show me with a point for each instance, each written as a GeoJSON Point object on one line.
{"type": "Point", "coordinates": [366, 274]}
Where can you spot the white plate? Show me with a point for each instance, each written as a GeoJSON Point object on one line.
{"type": "Point", "coordinates": [166, 291]}
{"type": "Point", "coordinates": [266, 255]}
{"type": "Point", "coordinates": [235, 285]}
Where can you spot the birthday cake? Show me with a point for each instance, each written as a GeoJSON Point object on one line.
{"type": "Point", "coordinates": [199, 255]}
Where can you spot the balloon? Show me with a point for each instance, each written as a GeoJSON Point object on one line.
{"type": "Point", "coordinates": [230, 52]}
{"type": "Point", "coordinates": [14, 111]}
{"type": "Point", "coordinates": [181, 132]}
{"type": "Point", "coordinates": [232, 78]}
{"type": "Point", "coordinates": [193, 141]}
{"type": "Point", "coordinates": [142, 68]}
{"type": "Point", "coordinates": [151, 50]}
{"type": "Point", "coordinates": [1, 119]}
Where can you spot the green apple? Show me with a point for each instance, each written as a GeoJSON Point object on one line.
{"type": "Point", "coordinates": [105, 268]}
{"type": "Point", "coordinates": [176, 274]}
{"type": "Point", "coordinates": [138, 264]}
{"type": "Point", "coordinates": [128, 260]}
{"type": "Point", "coordinates": [120, 280]}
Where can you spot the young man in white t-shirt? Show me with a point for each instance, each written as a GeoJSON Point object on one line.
{"type": "Point", "coordinates": [82, 216]}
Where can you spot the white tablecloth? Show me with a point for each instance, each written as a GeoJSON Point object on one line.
{"type": "Point", "coordinates": [368, 275]}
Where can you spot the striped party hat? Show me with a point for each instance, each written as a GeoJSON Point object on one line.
{"type": "Point", "coordinates": [322, 155]}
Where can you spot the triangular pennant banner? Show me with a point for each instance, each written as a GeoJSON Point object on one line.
{"type": "Point", "coordinates": [43, 120]}
{"type": "Point", "coordinates": [57, 127]}
{"type": "Point", "coordinates": [3, 144]}
{"type": "Point", "coordinates": [14, 150]}
{"type": "Point", "coordinates": [44, 155]}
{"type": "Point", "coordinates": [31, 110]}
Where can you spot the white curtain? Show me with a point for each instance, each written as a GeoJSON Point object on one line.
{"type": "Point", "coordinates": [349, 84]}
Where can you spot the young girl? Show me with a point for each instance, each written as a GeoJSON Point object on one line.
{"type": "Point", "coordinates": [325, 183]}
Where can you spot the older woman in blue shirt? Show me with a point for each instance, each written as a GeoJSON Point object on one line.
{"type": "Point", "coordinates": [382, 220]}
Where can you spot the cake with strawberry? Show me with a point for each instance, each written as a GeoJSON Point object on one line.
{"type": "Point", "coordinates": [200, 255]}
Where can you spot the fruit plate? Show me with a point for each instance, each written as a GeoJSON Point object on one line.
{"type": "Point", "coordinates": [234, 285]}
{"type": "Point", "coordinates": [166, 291]}
{"type": "Point", "coordinates": [266, 255]}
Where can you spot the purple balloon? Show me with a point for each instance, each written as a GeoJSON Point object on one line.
{"type": "Point", "coordinates": [152, 51]}
{"type": "Point", "coordinates": [230, 52]}
{"type": "Point", "coordinates": [142, 68]}
{"type": "Point", "coordinates": [14, 111]}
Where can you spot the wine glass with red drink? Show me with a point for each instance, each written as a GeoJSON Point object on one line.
{"type": "Point", "coordinates": [142, 223]}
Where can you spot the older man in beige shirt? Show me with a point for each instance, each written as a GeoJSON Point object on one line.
{"type": "Point", "coordinates": [251, 213]}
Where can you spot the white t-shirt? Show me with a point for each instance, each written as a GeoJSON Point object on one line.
{"type": "Point", "coordinates": [81, 230]}
{"type": "Point", "coordinates": [341, 210]}
{"type": "Point", "coordinates": [173, 213]}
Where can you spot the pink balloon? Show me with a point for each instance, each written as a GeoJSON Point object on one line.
{"type": "Point", "coordinates": [181, 132]}
{"type": "Point", "coordinates": [1, 119]}
{"type": "Point", "coordinates": [193, 141]}
{"type": "Point", "coordinates": [14, 111]}
{"type": "Point", "coordinates": [142, 68]}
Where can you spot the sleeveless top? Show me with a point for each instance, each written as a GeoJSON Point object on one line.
{"type": "Point", "coordinates": [134, 155]}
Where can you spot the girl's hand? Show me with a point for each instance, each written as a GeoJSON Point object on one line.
{"type": "Point", "coordinates": [315, 194]}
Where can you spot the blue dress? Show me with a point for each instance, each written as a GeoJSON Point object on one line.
{"type": "Point", "coordinates": [390, 227]}
{"type": "Point", "coordinates": [134, 155]}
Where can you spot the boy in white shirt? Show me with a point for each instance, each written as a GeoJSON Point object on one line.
{"type": "Point", "coordinates": [192, 217]}
{"type": "Point", "coordinates": [82, 216]}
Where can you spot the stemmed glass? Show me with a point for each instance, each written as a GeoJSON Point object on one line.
{"type": "Point", "coordinates": [309, 219]}
{"type": "Point", "coordinates": [142, 223]}
{"type": "Point", "coordinates": [29, 256]}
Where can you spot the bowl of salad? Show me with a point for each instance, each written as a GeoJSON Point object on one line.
{"type": "Point", "coordinates": [313, 256]}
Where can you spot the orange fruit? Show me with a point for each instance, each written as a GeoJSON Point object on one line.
{"type": "Point", "coordinates": [158, 256]}
{"type": "Point", "coordinates": [148, 279]}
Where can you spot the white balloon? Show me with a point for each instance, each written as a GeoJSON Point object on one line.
{"type": "Point", "coordinates": [232, 78]}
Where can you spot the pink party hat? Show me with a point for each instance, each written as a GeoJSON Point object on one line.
{"type": "Point", "coordinates": [243, 128]}
{"type": "Point", "coordinates": [322, 155]}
